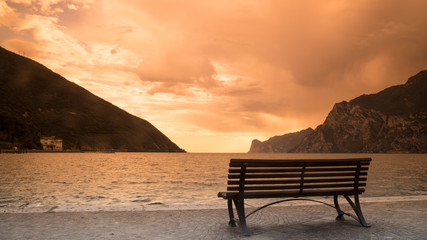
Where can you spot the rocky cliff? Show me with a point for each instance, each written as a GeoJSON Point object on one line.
{"type": "Point", "coordinates": [36, 102]}
{"type": "Point", "coordinates": [279, 144]}
{"type": "Point", "coordinates": [391, 121]}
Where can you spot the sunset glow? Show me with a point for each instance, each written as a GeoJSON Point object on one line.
{"type": "Point", "coordinates": [214, 75]}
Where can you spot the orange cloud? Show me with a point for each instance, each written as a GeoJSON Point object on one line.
{"type": "Point", "coordinates": [237, 68]}
{"type": "Point", "coordinates": [24, 48]}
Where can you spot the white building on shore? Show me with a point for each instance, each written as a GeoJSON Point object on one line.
{"type": "Point", "coordinates": [51, 143]}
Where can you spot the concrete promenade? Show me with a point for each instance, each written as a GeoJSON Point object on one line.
{"type": "Point", "coordinates": [394, 218]}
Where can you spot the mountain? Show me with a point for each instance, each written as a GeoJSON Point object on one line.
{"type": "Point", "coordinates": [36, 102]}
{"type": "Point", "coordinates": [279, 144]}
{"type": "Point", "coordinates": [391, 121]}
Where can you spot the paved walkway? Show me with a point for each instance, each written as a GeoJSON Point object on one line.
{"type": "Point", "coordinates": [388, 219]}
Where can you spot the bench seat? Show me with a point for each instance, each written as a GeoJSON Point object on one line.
{"type": "Point", "coordinates": [282, 194]}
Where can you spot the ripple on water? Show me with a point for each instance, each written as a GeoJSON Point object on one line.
{"type": "Point", "coordinates": [146, 200]}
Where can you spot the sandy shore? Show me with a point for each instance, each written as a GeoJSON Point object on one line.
{"type": "Point", "coordinates": [390, 218]}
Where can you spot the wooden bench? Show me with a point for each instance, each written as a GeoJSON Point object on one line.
{"type": "Point", "coordinates": [293, 179]}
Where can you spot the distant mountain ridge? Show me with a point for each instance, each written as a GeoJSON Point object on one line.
{"type": "Point", "coordinates": [279, 144]}
{"type": "Point", "coordinates": [391, 121]}
{"type": "Point", "coordinates": [36, 102]}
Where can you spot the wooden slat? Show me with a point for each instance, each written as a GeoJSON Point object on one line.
{"type": "Point", "coordinates": [296, 175]}
{"type": "Point", "coordinates": [301, 160]}
{"type": "Point", "coordinates": [266, 170]}
{"type": "Point", "coordinates": [281, 164]}
{"type": "Point", "coordinates": [280, 181]}
{"type": "Point", "coordinates": [306, 186]}
{"type": "Point", "coordinates": [279, 194]}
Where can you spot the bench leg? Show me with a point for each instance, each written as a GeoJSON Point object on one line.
{"type": "Point", "coordinates": [239, 203]}
{"type": "Point", "coordinates": [232, 221]}
{"type": "Point", "coordinates": [357, 209]}
{"type": "Point", "coordinates": [339, 211]}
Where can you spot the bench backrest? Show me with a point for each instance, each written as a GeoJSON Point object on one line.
{"type": "Point", "coordinates": [298, 177]}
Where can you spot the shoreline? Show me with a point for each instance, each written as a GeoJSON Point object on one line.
{"type": "Point", "coordinates": [220, 204]}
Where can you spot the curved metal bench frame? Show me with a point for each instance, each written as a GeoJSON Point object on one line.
{"type": "Point", "coordinates": [341, 213]}
{"type": "Point", "coordinates": [242, 218]}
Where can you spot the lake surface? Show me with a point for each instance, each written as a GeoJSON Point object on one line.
{"type": "Point", "coordinates": [79, 181]}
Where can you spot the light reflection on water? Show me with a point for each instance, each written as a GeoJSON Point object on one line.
{"type": "Point", "coordinates": [127, 179]}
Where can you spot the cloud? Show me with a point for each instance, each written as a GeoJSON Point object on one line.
{"type": "Point", "coordinates": [25, 48]}
{"type": "Point", "coordinates": [49, 7]}
{"type": "Point", "coordinates": [297, 60]}
{"type": "Point", "coordinates": [241, 68]}
{"type": "Point", "coordinates": [177, 69]}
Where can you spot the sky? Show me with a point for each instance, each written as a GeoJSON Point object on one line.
{"type": "Point", "coordinates": [214, 75]}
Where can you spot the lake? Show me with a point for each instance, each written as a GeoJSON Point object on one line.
{"type": "Point", "coordinates": [105, 181]}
